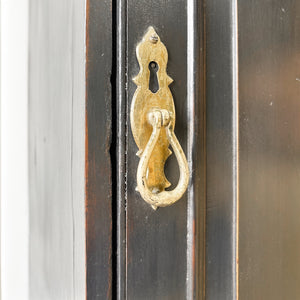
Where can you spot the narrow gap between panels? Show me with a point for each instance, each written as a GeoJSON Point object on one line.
{"type": "Point", "coordinates": [113, 150]}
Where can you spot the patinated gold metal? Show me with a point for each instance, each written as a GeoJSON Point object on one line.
{"type": "Point", "coordinates": [152, 118]}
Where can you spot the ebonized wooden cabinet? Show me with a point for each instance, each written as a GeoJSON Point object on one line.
{"type": "Point", "coordinates": [235, 232]}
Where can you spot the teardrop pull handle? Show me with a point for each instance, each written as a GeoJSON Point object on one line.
{"type": "Point", "coordinates": [161, 119]}
{"type": "Point", "coordinates": [152, 117]}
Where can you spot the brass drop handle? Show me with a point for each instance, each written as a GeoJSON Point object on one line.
{"type": "Point", "coordinates": [152, 117]}
{"type": "Point", "coordinates": [162, 119]}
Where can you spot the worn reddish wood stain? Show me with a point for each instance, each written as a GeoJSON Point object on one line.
{"type": "Point", "coordinates": [98, 221]}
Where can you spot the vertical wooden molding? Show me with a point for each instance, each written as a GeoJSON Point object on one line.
{"type": "Point", "coordinates": [98, 145]}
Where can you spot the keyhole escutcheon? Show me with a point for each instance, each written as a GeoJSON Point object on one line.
{"type": "Point", "coordinates": [153, 81]}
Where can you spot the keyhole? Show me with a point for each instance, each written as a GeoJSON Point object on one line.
{"type": "Point", "coordinates": [153, 82]}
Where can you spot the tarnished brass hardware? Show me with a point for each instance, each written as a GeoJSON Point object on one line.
{"type": "Point", "coordinates": [152, 118]}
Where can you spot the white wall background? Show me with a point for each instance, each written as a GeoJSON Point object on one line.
{"type": "Point", "coordinates": [14, 153]}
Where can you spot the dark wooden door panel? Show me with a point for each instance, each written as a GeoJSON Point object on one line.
{"type": "Point", "coordinates": [160, 245]}
{"type": "Point", "coordinates": [98, 151]}
{"type": "Point", "coordinates": [269, 81]}
{"type": "Point", "coordinates": [235, 66]}
{"type": "Point", "coordinates": [221, 149]}
{"type": "Point", "coordinates": [156, 240]}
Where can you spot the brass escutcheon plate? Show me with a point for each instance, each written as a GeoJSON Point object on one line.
{"type": "Point", "coordinates": [152, 118]}
{"type": "Point", "coordinates": [151, 49]}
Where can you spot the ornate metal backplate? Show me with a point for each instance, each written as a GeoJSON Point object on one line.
{"type": "Point", "coordinates": [151, 49]}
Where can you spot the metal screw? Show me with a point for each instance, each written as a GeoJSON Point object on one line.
{"type": "Point", "coordinates": [153, 39]}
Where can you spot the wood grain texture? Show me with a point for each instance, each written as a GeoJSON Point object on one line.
{"type": "Point", "coordinates": [56, 150]}
{"type": "Point", "coordinates": [99, 198]}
